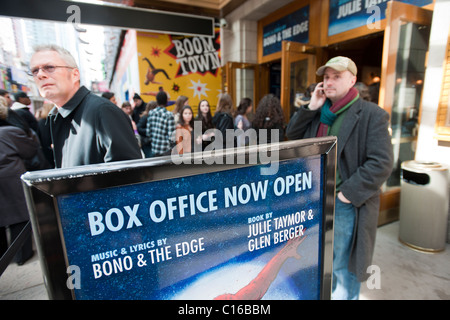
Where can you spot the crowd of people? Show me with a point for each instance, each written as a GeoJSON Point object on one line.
{"type": "Point", "coordinates": [161, 132]}
{"type": "Point", "coordinates": [78, 127]}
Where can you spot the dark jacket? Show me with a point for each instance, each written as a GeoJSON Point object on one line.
{"type": "Point", "coordinates": [15, 146]}
{"type": "Point", "coordinates": [222, 121]}
{"type": "Point", "coordinates": [28, 117]}
{"type": "Point", "coordinates": [268, 139]}
{"type": "Point", "coordinates": [89, 129]}
{"type": "Point", "coordinates": [364, 161]}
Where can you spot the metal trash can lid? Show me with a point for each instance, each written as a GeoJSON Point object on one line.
{"type": "Point", "coordinates": [414, 165]}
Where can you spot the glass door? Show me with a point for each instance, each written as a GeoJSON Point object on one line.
{"type": "Point", "coordinates": [404, 62]}
{"type": "Point", "coordinates": [405, 49]}
{"type": "Point", "coordinates": [242, 81]}
{"type": "Point", "coordinates": [297, 73]}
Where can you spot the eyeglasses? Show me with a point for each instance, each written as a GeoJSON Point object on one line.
{"type": "Point", "coordinates": [47, 69]}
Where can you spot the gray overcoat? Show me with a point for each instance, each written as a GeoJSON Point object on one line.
{"type": "Point", "coordinates": [364, 161]}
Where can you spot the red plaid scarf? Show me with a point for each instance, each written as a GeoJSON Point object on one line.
{"type": "Point", "coordinates": [329, 113]}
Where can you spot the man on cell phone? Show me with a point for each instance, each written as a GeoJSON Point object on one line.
{"type": "Point", "coordinates": [364, 162]}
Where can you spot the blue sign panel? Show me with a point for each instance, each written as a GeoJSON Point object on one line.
{"type": "Point", "coordinates": [350, 14]}
{"type": "Point", "coordinates": [293, 27]}
{"type": "Point", "coordinates": [232, 234]}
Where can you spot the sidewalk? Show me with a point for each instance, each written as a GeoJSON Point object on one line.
{"type": "Point", "coordinates": [23, 282]}
{"type": "Point", "coordinates": [405, 273]}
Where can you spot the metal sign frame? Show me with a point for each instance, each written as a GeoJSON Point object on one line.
{"type": "Point", "coordinates": [43, 187]}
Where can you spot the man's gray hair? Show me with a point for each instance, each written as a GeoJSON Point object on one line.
{"type": "Point", "coordinates": [64, 54]}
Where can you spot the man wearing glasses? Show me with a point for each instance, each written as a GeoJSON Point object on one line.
{"type": "Point", "coordinates": [84, 128]}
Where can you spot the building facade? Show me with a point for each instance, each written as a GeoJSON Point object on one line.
{"type": "Point", "coordinates": [400, 48]}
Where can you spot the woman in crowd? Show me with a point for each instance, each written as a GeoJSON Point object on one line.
{"type": "Point", "coordinates": [204, 115]}
{"type": "Point", "coordinates": [223, 119]}
{"type": "Point", "coordinates": [269, 115]}
{"type": "Point", "coordinates": [184, 131]}
{"type": "Point", "coordinates": [241, 121]}
{"type": "Point", "coordinates": [179, 104]}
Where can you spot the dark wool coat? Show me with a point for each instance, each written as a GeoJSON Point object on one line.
{"type": "Point", "coordinates": [223, 122]}
{"type": "Point", "coordinates": [364, 161]}
{"type": "Point", "coordinates": [89, 129]}
{"type": "Point", "coordinates": [15, 146]}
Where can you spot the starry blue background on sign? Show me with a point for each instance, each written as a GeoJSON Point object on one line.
{"type": "Point", "coordinates": [225, 264]}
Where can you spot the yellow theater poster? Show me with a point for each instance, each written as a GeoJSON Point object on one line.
{"type": "Point", "coordinates": [180, 65]}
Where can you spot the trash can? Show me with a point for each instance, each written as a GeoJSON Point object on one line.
{"type": "Point", "coordinates": [424, 205]}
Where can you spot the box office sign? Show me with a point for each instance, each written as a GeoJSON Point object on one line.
{"type": "Point", "coordinates": [350, 14]}
{"type": "Point", "coordinates": [150, 229]}
{"type": "Point", "coordinates": [293, 27]}
{"type": "Point", "coordinates": [216, 235]}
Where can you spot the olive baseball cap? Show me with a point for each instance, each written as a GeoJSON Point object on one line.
{"type": "Point", "coordinates": [339, 64]}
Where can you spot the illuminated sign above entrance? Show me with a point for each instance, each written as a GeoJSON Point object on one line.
{"type": "Point", "coordinates": [293, 27]}
{"type": "Point", "coordinates": [351, 14]}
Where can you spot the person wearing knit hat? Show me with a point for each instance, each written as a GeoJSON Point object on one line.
{"type": "Point", "coordinates": [139, 107]}
{"type": "Point", "coordinates": [364, 162]}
